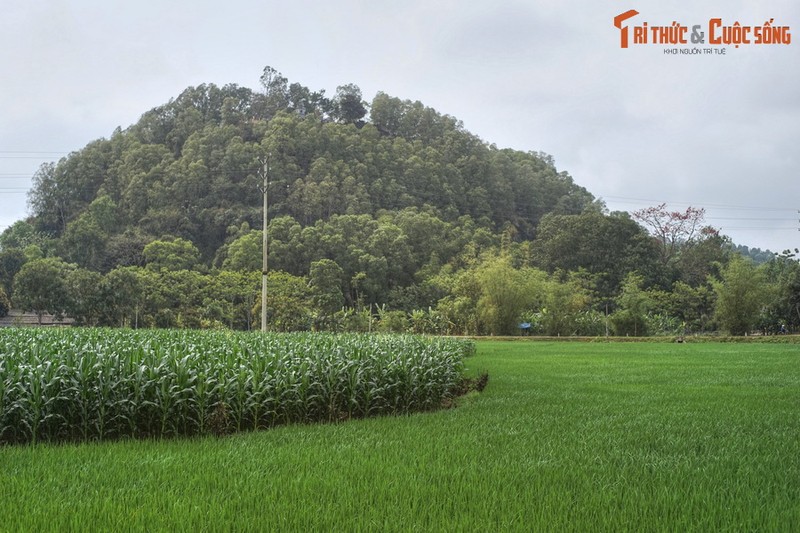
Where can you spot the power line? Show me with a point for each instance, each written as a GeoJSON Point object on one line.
{"type": "Point", "coordinates": [161, 173]}
{"type": "Point", "coordinates": [758, 229]}
{"type": "Point", "coordinates": [626, 200]}
{"type": "Point", "coordinates": [31, 154]}
{"type": "Point", "coordinates": [26, 156]}
{"type": "Point", "coordinates": [749, 218]}
{"type": "Point", "coordinates": [728, 207]}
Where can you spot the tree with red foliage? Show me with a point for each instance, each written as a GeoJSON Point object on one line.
{"type": "Point", "coordinates": [673, 229]}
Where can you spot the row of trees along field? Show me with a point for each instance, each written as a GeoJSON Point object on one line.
{"type": "Point", "coordinates": [387, 215]}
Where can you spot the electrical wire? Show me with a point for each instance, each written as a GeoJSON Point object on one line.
{"type": "Point", "coordinates": [626, 200]}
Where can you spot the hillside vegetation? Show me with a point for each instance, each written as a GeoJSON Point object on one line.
{"type": "Point", "coordinates": [384, 211]}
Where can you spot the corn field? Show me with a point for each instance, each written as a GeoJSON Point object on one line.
{"type": "Point", "coordinates": [96, 384]}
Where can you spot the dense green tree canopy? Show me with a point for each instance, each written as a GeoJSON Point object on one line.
{"type": "Point", "coordinates": [740, 294]}
{"type": "Point", "coordinates": [5, 303]}
{"type": "Point", "coordinates": [385, 209]}
{"type": "Point", "coordinates": [175, 254]}
{"type": "Point", "coordinates": [606, 246]}
{"type": "Point", "coordinates": [40, 287]}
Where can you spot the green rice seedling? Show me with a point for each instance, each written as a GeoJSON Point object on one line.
{"type": "Point", "coordinates": [568, 437]}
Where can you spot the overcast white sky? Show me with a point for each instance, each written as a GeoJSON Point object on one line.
{"type": "Point", "coordinates": [636, 127]}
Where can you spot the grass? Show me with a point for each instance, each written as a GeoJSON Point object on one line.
{"type": "Point", "coordinates": [566, 437]}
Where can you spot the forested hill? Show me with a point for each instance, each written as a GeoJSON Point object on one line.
{"type": "Point", "coordinates": [386, 210]}
{"type": "Point", "coordinates": [192, 169]}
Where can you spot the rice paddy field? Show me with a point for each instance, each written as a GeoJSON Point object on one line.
{"type": "Point", "coordinates": [565, 437]}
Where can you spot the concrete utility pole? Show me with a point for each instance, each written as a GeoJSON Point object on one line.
{"type": "Point", "coordinates": [264, 190]}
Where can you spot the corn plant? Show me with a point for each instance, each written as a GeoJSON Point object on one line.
{"type": "Point", "coordinates": [87, 384]}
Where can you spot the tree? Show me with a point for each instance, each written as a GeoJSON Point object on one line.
{"type": "Point", "coordinates": [634, 305]}
{"type": "Point", "coordinates": [608, 247]}
{"type": "Point", "coordinates": [245, 253]}
{"type": "Point", "coordinates": [286, 247]}
{"type": "Point", "coordinates": [459, 308]}
{"type": "Point", "coordinates": [173, 255]}
{"type": "Point", "coordinates": [288, 302]}
{"type": "Point", "coordinates": [61, 191]}
{"type": "Point", "coordinates": [11, 261]}
{"type": "Point", "coordinates": [783, 272]}
{"type": "Point", "coordinates": [181, 298]}
{"type": "Point", "coordinates": [741, 294]}
{"type": "Point", "coordinates": [234, 295]}
{"type": "Point", "coordinates": [326, 280]}
{"type": "Point", "coordinates": [84, 241]}
{"type": "Point", "coordinates": [702, 257]}
{"type": "Point", "coordinates": [48, 200]}
{"type": "Point", "coordinates": [276, 91]}
{"type": "Point", "coordinates": [20, 234]}
{"type": "Point", "coordinates": [126, 249]}
{"type": "Point", "coordinates": [672, 229]}
{"type": "Point", "coordinates": [304, 102]}
{"type": "Point", "coordinates": [392, 321]}
{"type": "Point", "coordinates": [504, 294]}
{"type": "Point", "coordinates": [694, 306]}
{"type": "Point", "coordinates": [39, 286]}
{"type": "Point", "coordinates": [386, 113]}
{"type": "Point", "coordinates": [125, 293]}
{"type": "Point", "coordinates": [5, 303]}
{"type": "Point", "coordinates": [561, 304]}
{"type": "Point", "coordinates": [349, 104]}
{"type": "Point", "coordinates": [408, 212]}
{"type": "Point", "coordinates": [85, 296]}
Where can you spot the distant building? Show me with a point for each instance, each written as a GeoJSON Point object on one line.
{"type": "Point", "coordinates": [17, 318]}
